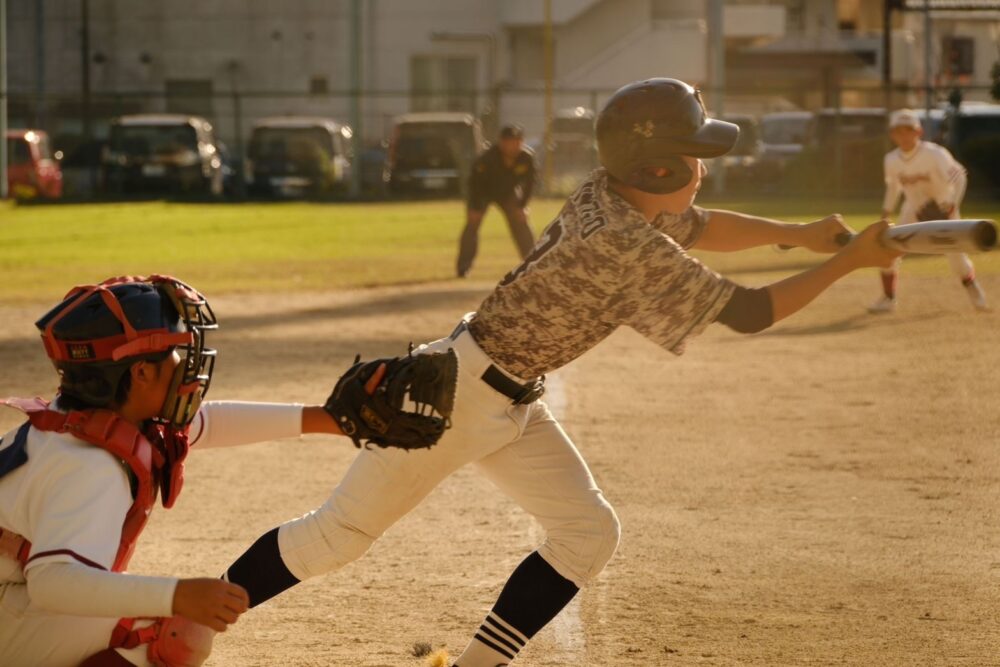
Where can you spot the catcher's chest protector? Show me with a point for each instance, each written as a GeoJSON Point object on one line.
{"type": "Point", "coordinates": [107, 430]}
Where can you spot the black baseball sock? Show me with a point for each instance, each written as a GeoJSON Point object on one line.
{"type": "Point", "coordinates": [531, 598]}
{"type": "Point", "coordinates": [261, 571]}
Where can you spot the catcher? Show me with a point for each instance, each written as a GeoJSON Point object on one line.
{"type": "Point", "coordinates": [933, 184]}
{"type": "Point", "coordinates": [80, 476]}
{"type": "Point", "coordinates": [615, 256]}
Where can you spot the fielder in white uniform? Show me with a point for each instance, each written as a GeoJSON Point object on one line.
{"type": "Point", "coordinates": [922, 172]}
{"type": "Point", "coordinates": [615, 256]}
{"type": "Point", "coordinates": [66, 528]}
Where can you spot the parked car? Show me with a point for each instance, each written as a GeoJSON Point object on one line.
{"type": "Point", "coordinates": [431, 153]}
{"type": "Point", "coordinates": [844, 152]}
{"type": "Point", "coordinates": [573, 149]}
{"type": "Point", "coordinates": [783, 135]}
{"type": "Point", "coordinates": [82, 166]}
{"type": "Point", "coordinates": [155, 153]}
{"type": "Point", "coordinates": [293, 156]}
{"type": "Point", "coordinates": [972, 133]}
{"type": "Point", "coordinates": [32, 171]}
{"type": "Point", "coordinates": [933, 124]}
{"type": "Point", "coordinates": [740, 164]}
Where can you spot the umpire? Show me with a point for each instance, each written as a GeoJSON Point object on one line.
{"type": "Point", "coordinates": [504, 174]}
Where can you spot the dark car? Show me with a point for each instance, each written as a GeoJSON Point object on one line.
{"type": "Point", "coordinates": [783, 136]}
{"type": "Point", "coordinates": [972, 133]}
{"type": "Point", "coordinates": [740, 164]}
{"type": "Point", "coordinates": [573, 149]}
{"type": "Point", "coordinates": [431, 153]}
{"type": "Point", "coordinates": [844, 152]}
{"type": "Point", "coordinates": [162, 153]}
{"type": "Point", "coordinates": [299, 157]}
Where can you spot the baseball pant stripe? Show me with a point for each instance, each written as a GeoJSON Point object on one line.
{"type": "Point", "coordinates": [502, 651]}
{"type": "Point", "coordinates": [501, 627]}
{"type": "Point", "coordinates": [485, 630]}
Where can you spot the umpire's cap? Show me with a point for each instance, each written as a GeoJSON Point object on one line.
{"type": "Point", "coordinates": [512, 131]}
{"type": "Point", "coordinates": [649, 124]}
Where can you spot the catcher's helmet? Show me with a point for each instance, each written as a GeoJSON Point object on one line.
{"type": "Point", "coordinates": [650, 124]}
{"type": "Point", "coordinates": [99, 331]}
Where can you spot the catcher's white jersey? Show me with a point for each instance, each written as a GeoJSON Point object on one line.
{"type": "Point", "coordinates": [928, 172]}
{"type": "Point", "coordinates": [69, 499]}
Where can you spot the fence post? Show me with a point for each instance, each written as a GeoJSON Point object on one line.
{"type": "Point", "coordinates": [354, 57]}
{"type": "Point", "coordinates": [3, 99]}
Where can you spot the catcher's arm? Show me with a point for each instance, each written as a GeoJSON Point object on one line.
{"type": "Point", "coordinates": [317, 420]}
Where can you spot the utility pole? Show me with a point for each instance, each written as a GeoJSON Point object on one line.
{"type": "Point", "coordinates": [354, 58]}
{"type": "Point", "coordinates": [717, 77]}
{"type": "Point", "coordinates": [85, 81]}
{"type": "Point", "coordinates": [3, 99]}
{"type": "Point", "coordinates": [549, 74]}
{"type": "Point", "coordinates": [40, 105]}
{"type": "Point", "coordinates": [887, 54]}
{"type": "Point", "coordinates": [928, 59]}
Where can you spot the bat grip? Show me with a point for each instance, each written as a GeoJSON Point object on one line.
{"type": "Point", "coordinates": [841, 239]}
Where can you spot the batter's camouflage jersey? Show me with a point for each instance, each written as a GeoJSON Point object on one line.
{"type": "Point", "coordinates": [597, 266]}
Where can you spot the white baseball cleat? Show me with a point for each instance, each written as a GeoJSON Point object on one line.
{"type": "Point", "coordinates": [977, 297]}
{"type": "Point", "coordinates": [883, 305]}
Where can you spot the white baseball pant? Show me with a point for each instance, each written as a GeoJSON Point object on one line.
{"type": "Point", "coordinates": [522, 449]}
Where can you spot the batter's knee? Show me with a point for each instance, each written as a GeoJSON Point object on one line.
{"type": "Point", "coordinates": [321, 542]}
{"type": "Point", "coordinates": [580, 548]}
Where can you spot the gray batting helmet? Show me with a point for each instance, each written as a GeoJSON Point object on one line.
{"type": "Point", "coordinates": [649, 125]}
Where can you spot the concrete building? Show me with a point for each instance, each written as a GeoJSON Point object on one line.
{"type": "Point", "coordinates": [237, 60]}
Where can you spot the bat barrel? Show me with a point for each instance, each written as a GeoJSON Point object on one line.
{"type": "Point", "coordinates": [935, 237]}
{"type": "Point", "coordinates": [986, 235]}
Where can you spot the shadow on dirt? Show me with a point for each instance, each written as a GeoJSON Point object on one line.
{"type": "Point", "coordinates": [854, 322]}
{"type": "Point", "coordinates": [459, 300]}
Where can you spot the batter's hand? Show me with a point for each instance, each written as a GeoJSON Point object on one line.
{"type": "Point", "coordinates": [822, 235]}
{"type": "Point", "coordinates": [866, 249]}
{"type": "Point", "coordinates": [211, 602]}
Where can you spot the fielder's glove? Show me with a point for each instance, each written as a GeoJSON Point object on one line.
{"type": "Point", "coordinates": [410, 407]}
{"type": "Point", "coordinates": [932, 211]}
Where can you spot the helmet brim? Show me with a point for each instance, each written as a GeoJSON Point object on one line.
{"type": "Point", "coordinates": [714, 138]}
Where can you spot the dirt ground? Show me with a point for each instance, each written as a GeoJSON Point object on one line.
{"type": "Point", "coordinates": [824, 493]}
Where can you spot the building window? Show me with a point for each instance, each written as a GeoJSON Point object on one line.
{"type": "Point", "coordinates": [527, 52]}
{"type": "Point", "coordinates": [318, 86]}
{"type": "Point", "coordinates": [189, 96]}
{"type": "Point", "coordinates": [959, 56]}
{"type": "Point", "coordinates": [443, 83]}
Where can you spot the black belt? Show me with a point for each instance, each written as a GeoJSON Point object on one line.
{"type": "Point", "coordinates": [519, 394]}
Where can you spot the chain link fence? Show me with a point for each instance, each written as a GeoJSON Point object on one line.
{"type": "Point", "coordinates": [795, 141]}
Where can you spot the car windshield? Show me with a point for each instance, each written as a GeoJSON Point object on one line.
{"type": "Point", "coordinates": [437, 145]}
{"type": "Point", "coordinates": [18, 151]}
{"type": "Point", "coordinates": [852, 127]}
{"type": "Point", "coordinates": [746, 144]}
{"type": "Point", "coordinates": [575, 126]}
{"type": "Point", "coordinates": [289, 143]}
{"type": "Point", "coordinates": [976, 127]}
{"type": "Point", "coordinates": [784, 130]}
{"type": "Point", "coordinates": [147, 140]}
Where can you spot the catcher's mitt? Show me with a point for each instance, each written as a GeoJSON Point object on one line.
{"type": "Point", "coordinates": [410, 407]}
{"type": "Point", "coordinates": [932, 211]}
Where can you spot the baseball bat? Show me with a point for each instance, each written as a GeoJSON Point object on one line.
{"type": "Point", "coordinates": [935, 237]}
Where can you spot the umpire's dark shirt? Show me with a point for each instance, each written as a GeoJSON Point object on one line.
{"type": "Point", "coordinates": [492, 180]}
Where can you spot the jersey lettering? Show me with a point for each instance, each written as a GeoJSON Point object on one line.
{"type": "Point", "coordinates": [592, 218]}
{"type": "Point", "coordinates": [552, 235]}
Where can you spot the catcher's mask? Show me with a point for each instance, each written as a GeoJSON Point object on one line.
{"type": "Point", "coordinates": [99, 331]}
{"type": "Point", "coordinates": [645, 128]}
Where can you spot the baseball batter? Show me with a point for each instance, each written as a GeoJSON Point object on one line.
{"type": "Point", "coordinates": [79, 477]}
{"type": "Point", "coordinates": [617, 255]}
{"type": "Point", "coordinates": [932, 184]}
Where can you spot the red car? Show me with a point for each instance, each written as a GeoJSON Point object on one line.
{"type": "Point", "coordinates": [31, 169]}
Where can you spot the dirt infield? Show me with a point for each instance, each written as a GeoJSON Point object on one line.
{"type": "Point", "coordinates": [824, 493]}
